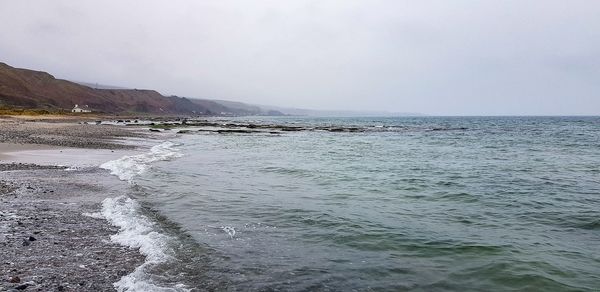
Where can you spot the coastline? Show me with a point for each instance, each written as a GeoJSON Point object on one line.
{"type": "Point", "coordinates": [50, 233]}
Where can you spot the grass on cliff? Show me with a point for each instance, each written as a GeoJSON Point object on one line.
{"type": "Point", "coordinates": [11, 111]}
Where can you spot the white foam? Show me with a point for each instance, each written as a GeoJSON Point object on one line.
{"type": "Point", "coordinates": [229, 230]}
{"type": "Point", "coordinates": [127, 167]}
{"type": "Point", "coordinates": [138, 232]}
{"type": "Point", "coordinates": [96, 215]}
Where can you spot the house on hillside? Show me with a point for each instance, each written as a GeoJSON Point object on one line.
{"type": "Point", "coordinates": [84, 109]}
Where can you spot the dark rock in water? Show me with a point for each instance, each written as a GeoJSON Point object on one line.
{"type": "Point", "coordinates": [450, 129]}
{"type": "Point", "coordinates": [14, 279]}
{"type": "Point", "coordinates": [154, 130]}
{"type": "Point", "coordinates": [234, 131]}
{"type": "Point", "coordinates": [26, 243]}
{"type": "Point", "coordinates": [31, 238]}
{"type": "Point", "coordinates": [290, 129]}
{"type": "Point", "coordinates": [183, 131]}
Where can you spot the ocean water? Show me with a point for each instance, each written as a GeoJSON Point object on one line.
{"type": "Point", "coordinates": [411, 204]}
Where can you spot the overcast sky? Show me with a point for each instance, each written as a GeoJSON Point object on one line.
{"type": "Point", "coordinates": [435, 57]}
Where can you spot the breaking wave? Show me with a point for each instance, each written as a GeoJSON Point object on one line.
{"type": "Point", "coordinates": [136, 230]}
{"type": "Point", "coordinates": [127, 167]}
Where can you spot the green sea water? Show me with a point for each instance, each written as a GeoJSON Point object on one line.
{"type": "Point", "coordinates": [412, 204]}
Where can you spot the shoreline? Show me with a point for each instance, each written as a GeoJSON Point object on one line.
{"type": "Point", "coordinates": [67, 134]}
{"type": "Point", "coordinates": [50, 237]}
{"type": "Point", "coordinates": [48, 242]}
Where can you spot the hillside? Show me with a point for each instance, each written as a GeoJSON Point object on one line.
{"type": "Point", "coordinates": [34, 89]}
{"type": "Point", "coordinates": [234, 108]}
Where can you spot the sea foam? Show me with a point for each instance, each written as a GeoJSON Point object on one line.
{"type": "Point", "coordinates": [138, 232]}
{"type": "Point", "coordinates": [135, 229]}
{"type": "Point", "coordinates": [127, 167]}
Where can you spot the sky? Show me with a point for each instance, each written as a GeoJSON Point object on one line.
{"type": "Point", "coordinates": [460, 57]}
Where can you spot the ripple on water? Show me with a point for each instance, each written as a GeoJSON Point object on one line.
{"type": "Point", "coordinates": [509, 204]}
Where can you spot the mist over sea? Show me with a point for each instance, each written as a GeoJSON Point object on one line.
{"type": "Point", "coordinates": [419, 203]}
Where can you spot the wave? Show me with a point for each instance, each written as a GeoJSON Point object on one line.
{"type": "Point", "coordinates": [135, 229]}
{"type": "Point", "coordinates": [127, 167]}
{"type": "Point", "coordinates": [138, 232]}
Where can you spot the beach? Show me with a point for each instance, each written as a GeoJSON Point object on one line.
{"type": "Point", "coordinates": [51, 234]}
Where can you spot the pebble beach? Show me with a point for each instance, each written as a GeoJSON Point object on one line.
{"type": "Point", "coordinates": [51, 235]}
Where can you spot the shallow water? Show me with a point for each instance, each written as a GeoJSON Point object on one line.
{"type": "Point", "coordinates": [425, 204]}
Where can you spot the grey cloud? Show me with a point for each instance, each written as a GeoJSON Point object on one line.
{"type": "Point", "coordinates": [436, 57]}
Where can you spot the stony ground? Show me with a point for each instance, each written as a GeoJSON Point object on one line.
{"type": "Point", "coordinates": [47, 242]}
{"type": "Point", "coordinates": [66, 134]}
{"type": "Point", "coordinates": [47, 238]}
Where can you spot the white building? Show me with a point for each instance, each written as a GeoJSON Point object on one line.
{"type": "Point", "coordinates": [78, 109]}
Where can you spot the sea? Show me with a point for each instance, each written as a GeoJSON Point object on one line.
{"type": "Point", "coordinates": [404, 204]}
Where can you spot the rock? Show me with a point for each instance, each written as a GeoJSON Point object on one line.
{"type": "Point", "coordinates": [31, 238]}
{"type": "Point", "coordinates": [22, 286]}
{"type": "Point", "coordinates": [234, 131]}
{"type": "Point", "coordinates": [154, 130]}
{"type": "Point", "coordinates": [14, 279]}
{"type": "Point", "coordinates": [26, 243]}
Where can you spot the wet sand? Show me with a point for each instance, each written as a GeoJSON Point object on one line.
{"type": "Point", "coordinates": [7, 148]}
{"type": "Point", "coordinates": [54, 155]}
{"type": "Point", "coordinates": [48, 240]}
